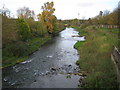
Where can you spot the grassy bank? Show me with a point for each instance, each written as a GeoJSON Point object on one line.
{"type": "Point", "coordinates": [22, 50]}
{"type": "Point", "coordinates": [95, 57]}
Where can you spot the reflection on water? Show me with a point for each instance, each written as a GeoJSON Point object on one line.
{"type": "Point", "coordinates": [49, 67]}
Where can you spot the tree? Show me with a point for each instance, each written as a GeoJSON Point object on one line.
{"type": "Point", "coordinates": [55, 25]}
{"type": "Point", "coordinates": [106, 12]}
{"type": "Point", "coordinates": [75, 22]}
{"type": "Point", "coordinates": [32, 25]}
{"type": "Point", "coordinates": [41, 27]}
{"type": "Point", "coordinates": [9, 30]}
{"type": "Point", "coordinates": [5, 11]}
{"type": "Point", "coordinates": [101, 13]}
{"type": "Point", "coordinates": [24, 30]}
{"type": "Point", "coordinates": [47, 15]}
{"type": "Point", "coordinates": [25, 13]}
{"type": "Point", "coordinates": [111, 20]}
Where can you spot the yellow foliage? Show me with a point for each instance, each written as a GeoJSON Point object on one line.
{"type": "Point", "coordinates": [47, 15]}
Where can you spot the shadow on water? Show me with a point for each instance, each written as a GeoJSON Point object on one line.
{"type": "Point", "coordinates": [50, 67]}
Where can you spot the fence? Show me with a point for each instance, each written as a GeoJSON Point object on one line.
{"type": "Point", "coordinates": [107, 26]}
{"type": "Point", "coordinates": [116, 59]}
{"type": "Point", "coordinates": [116, 55]}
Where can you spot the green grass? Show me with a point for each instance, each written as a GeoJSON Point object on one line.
{"type": "Point", "coordinates": [78, 44]}
{"type": "Point", "coordinates": [35, 43]}
{"type": "Point", "coordinates": [9, 61]}
{"type": "Point", "coordinates": [14, 53]}
{"type": "Point", "coordinates": [95, 58]}
{"type": "Point", "coordinates": [82, 32]}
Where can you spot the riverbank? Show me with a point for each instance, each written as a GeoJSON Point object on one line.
{"type": "Point", "coordinates": [22, 37]}
{"type": "Point", "coordinates": [95, 57]}
{"type": "Point", "coordinates": [25, 49]}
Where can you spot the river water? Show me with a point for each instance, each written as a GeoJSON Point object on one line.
{"type": "Point", "coordinates": [49, 67]}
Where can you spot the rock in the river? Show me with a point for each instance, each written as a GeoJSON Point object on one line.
{"type": "Point", "coordinates": [53, 68]}
{"type": "Point", "coordinates": [47, 72]}
{"type": "Point", "coordinates": [69, 65]}
{"type": "Point", "coordinates": [5, 79]}
{"type": "Point", "coordinates": [35, 80]}
{"type": "Point", "coordinates": [44, 61]}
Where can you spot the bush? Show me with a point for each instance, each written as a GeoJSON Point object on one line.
{"type": "Point", "coordinates": [84, 26]}
{"type": "Point", "coordinates": [41, 28]}
{"type": "Point", "coordinates": [55, 26]}
{"type": "Point", "coordinates": [24, 30]}
{"type": "Point", "coordinates": [9, 30]}
{"type": "Point", "coordinates": [17, 49]}
{"type": "Point", "coordinates": [33, 26]}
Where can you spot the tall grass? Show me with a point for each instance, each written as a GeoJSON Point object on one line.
{"type": "Point", "coordinates": [95, 58]}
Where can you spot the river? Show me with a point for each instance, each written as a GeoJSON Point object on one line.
{"type": "Point", "coordinates": [49, 66]}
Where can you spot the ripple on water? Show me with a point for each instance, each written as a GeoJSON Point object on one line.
{"type": "Point", "coordinates": [50, 56]}
{"type": "Point", "coordinates": [27, 61]}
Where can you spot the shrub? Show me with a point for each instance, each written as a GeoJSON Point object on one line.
{"type": "Point", "coordinates": [55, 26]}
{"type": "Point", "coordinates": [16, 49]}
{"type": "Point", "coordinates": [24, 30]}
{"type": "Point", "coordinates": [9, 30]}
{"type": "Point", "coordinates": [41, 28]}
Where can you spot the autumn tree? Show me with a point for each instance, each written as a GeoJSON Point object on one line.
{"type": "Point", "coordinates": [113, 18]}
{"type": "Point", "coordinates": [47, 15]}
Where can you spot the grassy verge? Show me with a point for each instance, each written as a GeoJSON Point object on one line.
{"type": "Point", "coordinates": [19, 51]}
{"type": "Point", "coordinates": [82, 32]}
{"type": "Point", "coordinates": [35, 43]}
{"type": "Point", "coordinates": [78, 44]}
{"type": "Point", "coordinates": [95, 58]}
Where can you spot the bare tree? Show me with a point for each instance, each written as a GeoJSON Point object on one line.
{"type": "Point", "coordinates": [5, 11]}
{"type": "Point", "coordinates": [25, 13]}
{"type": "Point", "coordinates": [106, 12]}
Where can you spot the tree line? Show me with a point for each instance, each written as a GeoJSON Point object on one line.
{"type": "Point", "coordinates": [105, 19]}
{"type": "Point", "coordinates": [17, 32]}
{"type": "Point", "coordinates": [25, 27]}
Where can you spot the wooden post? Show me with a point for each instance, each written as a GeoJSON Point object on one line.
{"type": "Point", "coordinates": [116, 59]}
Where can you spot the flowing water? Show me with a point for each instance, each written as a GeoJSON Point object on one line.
{"type": "Point", "coordinates": [49, 67]}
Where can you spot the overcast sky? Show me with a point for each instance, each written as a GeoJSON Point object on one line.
{"type": "Point", "coordinates": [65, 9]}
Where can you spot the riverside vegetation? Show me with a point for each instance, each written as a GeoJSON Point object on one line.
{"type": "Point", "coordinates": [23, 36]}
{"type": "Point", "coordinates": [95, 57]}
{"type": "Point", "coordinates": [102, 33]}
{"type": "Point", "coordinates": [95, 52]}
